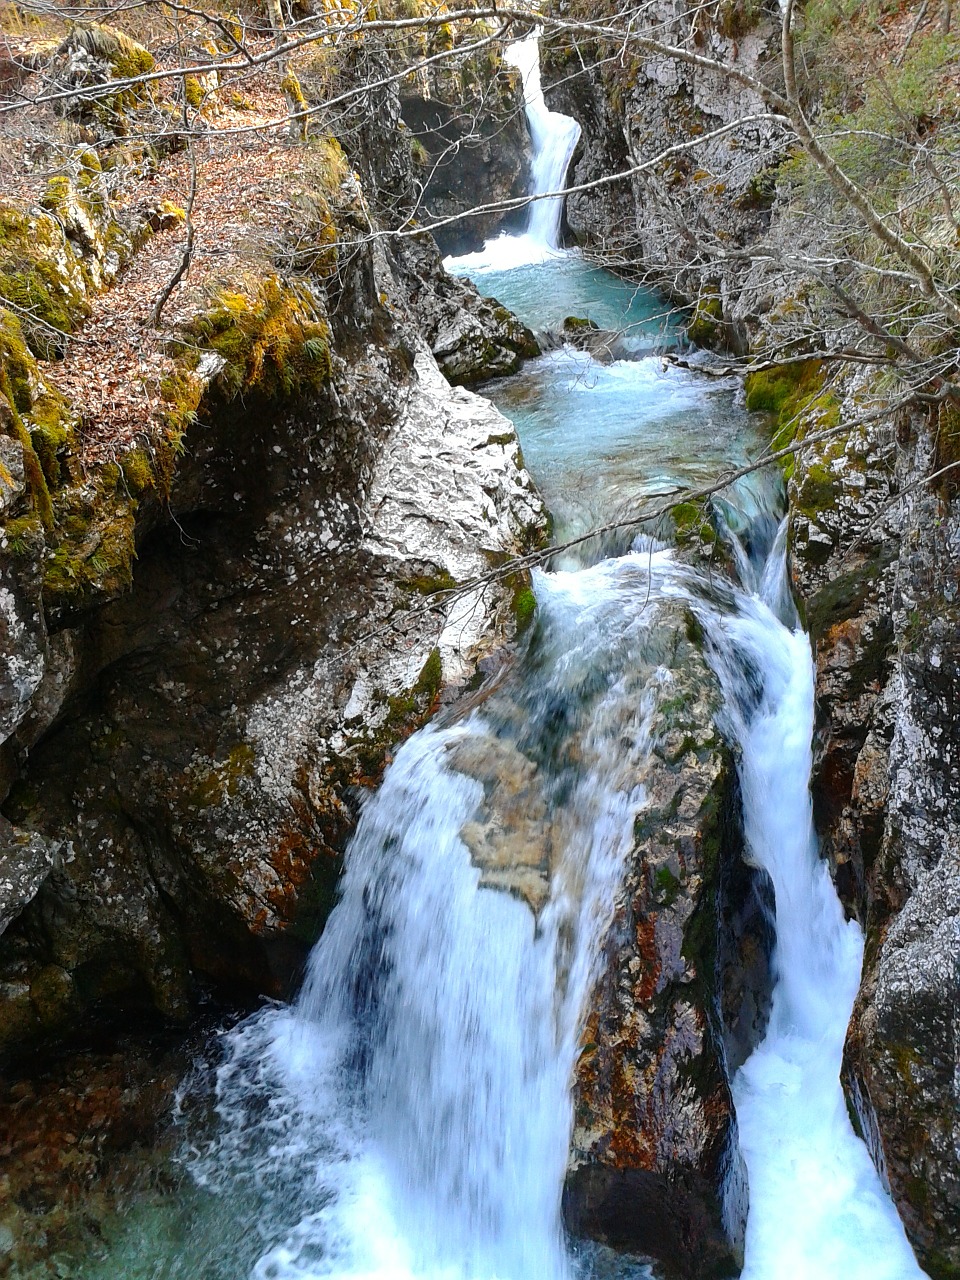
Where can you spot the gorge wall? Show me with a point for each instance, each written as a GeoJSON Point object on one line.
{"type": "Point", "coordinates": [216, 632]}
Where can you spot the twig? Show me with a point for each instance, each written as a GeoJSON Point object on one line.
{"type": "Point", "coordinates": [187, 254]}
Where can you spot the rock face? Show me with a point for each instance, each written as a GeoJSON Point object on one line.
{"type": "Point", "coordinates": [471, 148]}
{"type": "Point", "coordinates": [875, 553]}
{"type": "Point", "coordinates": [876, 559]}
{"type": "Point", "coordinates": [183, 739]}
{"type": "Point", "coordinates": [683, 987]}
{"type": "Point", "coordinates": [279, 637]}
{"type": "Point", "coordinates": [683, 221]}
{"type": "Point", "coordinates": [471, 337]}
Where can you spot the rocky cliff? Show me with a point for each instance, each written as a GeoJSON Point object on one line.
{"type": "Point", "coordinates": [655, 1162]}
{"type": "Point", "coordinates": [875, 559]}
{"type": "Point", "coordinates": [231, 584]}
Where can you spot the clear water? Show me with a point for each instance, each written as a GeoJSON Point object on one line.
{"type": "Point", "coordinates": [644, 432]}
{"type": "Point", "coordinates": [544, 293]}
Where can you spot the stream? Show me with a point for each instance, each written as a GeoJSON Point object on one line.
{"type": "Point", "coordinates": [409, 1116]}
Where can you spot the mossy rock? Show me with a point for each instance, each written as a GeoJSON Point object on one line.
{"type": "Point", "coordinates": [798, 400]}
{"type": "Point", "coordinates": [93, 542]}
{"type": "Point", "coordinates": [18, 380]}
{"type": "Point", "coordinates": [693, 525]}
{"type": "Point", "coordinates": [706, 324]}
{"type": "Point", "coordinates": [274, 341]}
{"type": "Point", "coordinates": [32, 279]}
{"type": "Point", "coordinates": [524, 605]}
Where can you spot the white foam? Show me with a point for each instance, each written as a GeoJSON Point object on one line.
{"type": "Point", "coordinates": [818, 1210]}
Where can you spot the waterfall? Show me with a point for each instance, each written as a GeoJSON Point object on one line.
{"type": "Point", "coordinates": [817, 1207]}
{"type": "Point", "coordinates": [410, 1117]}
{"type": "Point", "coordinates": [554, 137]}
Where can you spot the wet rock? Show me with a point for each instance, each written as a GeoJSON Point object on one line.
{"type": "Point", "coordinates": [83, 1137]}
{"type": "Point", "coordinates": [675, 221]}
{"type": "Point", "coordinates": [472, 338]}
{"type": "Point", "coordinates": [26, 859]}
{"type": "Point", "coordinates": [295, 611]}
{"type": "Point", "coordinates": [655, 1164]}
{"type": "Point", "coordinates": [472, 148]}
{"type": "Point", "coordinates": [511, 842]}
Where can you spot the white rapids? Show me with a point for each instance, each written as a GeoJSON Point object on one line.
{"type": "Point", "coordinates": [818, 1210]}
{"type": "Point", "coordinates": [417, 1097]}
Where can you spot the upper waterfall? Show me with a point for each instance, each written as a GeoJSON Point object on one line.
{"type": "Point", "coordinates": [554, 137]}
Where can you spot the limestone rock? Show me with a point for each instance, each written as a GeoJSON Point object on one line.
{"type": "Point", "coordinates": [200, 738]}
{"type": "Point", "coordinates": [678, 219]}
{"type": "Point", "coordinates": [473, 149]}
{"type": "Point", "coordinates": [472, 338]}
{"type": "Point", "coordinates": [26, 859]}
{"type": "Point", "coordinates": [655, 1164]}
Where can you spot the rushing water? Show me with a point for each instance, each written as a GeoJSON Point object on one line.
{"type": "Point", "coordinates": [409, 1117]}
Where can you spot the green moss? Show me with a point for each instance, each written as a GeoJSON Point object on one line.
{"type": "Point", "coordinates": [844, 595]}
{"type": "Point", "coordinates": [405, 713]}
{"type": "Point", "coordinates": [138, 473]}
{"type": "Point", "coordinates": [193, 92]}
{"type": "Point", "coordinates": [212, 785]}
{"type": "Point", "coordinates": [274, 342]}
{"type": "Point", "coordinates": [96, 544]}
{"type": "Point", "coordinates": [428, 585]}
{"type": "Point", "coordinates": [315, 250]}
{"type": "Point", "coordinates": [33, 470]}
{"type": "Point", "coordinates": [666, 886]}
{"type": "Point", "coordinates": [23, 537]}
{"type": "Point", "coordinates": [51, 432]}
{"type": "Point", "coordinates": [18, 363]}
{"type": "Point", "coordinates": [705, 327]}
{"type": "Point", "coordinates": [769, 390]}
{"type": "Point", "coordinates": [578, 324]}
{"type": "Point", "coordinates": [32, 282]}
{"type": "Point", "coordinates": [57, 193]}
{"type": "Point", "coordinates": [431, 676]}
{"type": "Point", "coordinates": [524, 607]}
{"type": "Point", "coordinates": [692, 524]}
{"type": "Point", "coordinates": [795, 395]}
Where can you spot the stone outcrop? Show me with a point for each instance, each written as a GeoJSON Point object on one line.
{"type": "Point", "coordinates": [278, 638]}
{"type": "Point", "coordinates": [472, 338]}
{"type": "Point", "coordinates": [874, 549]}
{"type": "Point", "coordinates": [682, 222]}
{"type": "Point", "coordinates": [213, 641]}
{"type": "Point", "coordinates": [471, 147]}
{"type": "Point", "coordinates": [684, 987]}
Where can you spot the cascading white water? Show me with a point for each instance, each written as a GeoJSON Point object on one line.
{"type": "Point", "coordinates": [817, 1207]}
{"type": "Point", "coordinates": [413, 1110]}
{"type": "Point", "coordinates": [554, 137]}
{"type": "Point", "coordinates": [409, 1118]}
